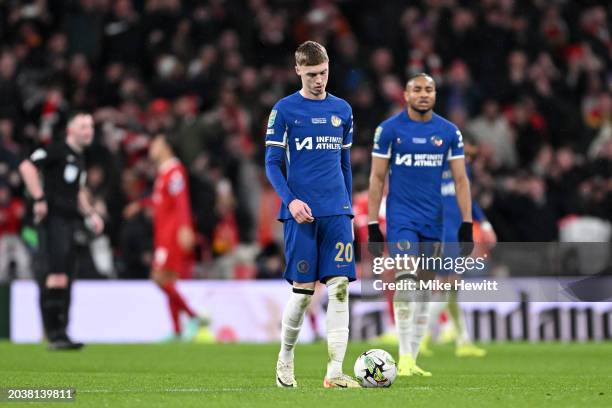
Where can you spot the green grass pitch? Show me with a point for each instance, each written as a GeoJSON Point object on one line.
{"type": "Point", "coordinates": [191, 375]}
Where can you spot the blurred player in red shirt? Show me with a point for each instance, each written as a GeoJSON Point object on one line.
{"type": "Point", "coordinates": [12, 249]}
{"type": "Point", "coordinates": [173, 233]}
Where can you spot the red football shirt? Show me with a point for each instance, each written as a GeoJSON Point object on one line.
{"type": "Point", "coordinates": [171, 210]}
{"type": "Point", "coordinates": [10, 217]}
{"type": "Point", "coordinates": [360, 209]}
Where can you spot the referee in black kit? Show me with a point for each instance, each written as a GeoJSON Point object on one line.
{"type": "Point", "coordinates": [55, 178]}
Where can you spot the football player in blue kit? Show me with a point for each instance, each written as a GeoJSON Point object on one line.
{"type": "Point", "coordinates": [448, 299]}
{"type": "Point", "coordinates": [413, 147]}
{"type": "Point", "coordinates": [311, 132]}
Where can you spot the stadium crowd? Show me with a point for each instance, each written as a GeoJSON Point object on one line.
{"type": "Point", "coordinates": [528, 82]}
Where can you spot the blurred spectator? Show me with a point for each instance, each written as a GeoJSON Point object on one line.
{"type": "Point", "coordinates": [136, 244]}
{"type": "Point", "coordinates": [135, 236]}
{"type": "Point", "coordinates": [203, 196]}
{"type": "Point", "coordinates": [270, 262]}
{"type": "Point", "coordinates": [123, 35]}
{"type": "Point", "coordinates": [523, 212]}
{"type": "Point", "coordinates": [458, 91]}
{"type": "Point", "coordinates": [225, 235]}
{"type": "Point", "coordinates": [529, 139]}
{"type": "Point", "coordinates": [9, 154]}
{"type": "Point", "coordinates": [84, 24]}
{"type": "Point", "coordinates": [9, 92]}
{"type": "Point", "coordinates": [367, 113]}
{"type": "Point", "coordinates": [491, 129]}
{"type": "Point", "coordinates": [604, 125]}
{"type": "Point", "coordinates": [14, 257]}
{"type": "Point", "coordinates": [516, 82]}
{"type": "Point", "coordinates": [268, 230]}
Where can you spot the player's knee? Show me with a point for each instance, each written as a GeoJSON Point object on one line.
{"type": "Point", "coordinates": [405, 275]}
{"type": "Point", "coordinates": [337, 288]}
{"type": "Point", "coordinates": [160, 277]}
{"type": "Point", "coordinates": [155, 277]}
{"type": "Point", "coordinates": [304, 296]}
{"type": "Point", "coordinates": [407, 284]}
{"type": "Point", "coordinates": [402, 310]}
{"type": "Point", "coordinates": [304, 285]}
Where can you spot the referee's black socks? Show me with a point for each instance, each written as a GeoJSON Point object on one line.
{"type": "Point", "coordinates": [67, 292]}
{"type": "Point", "coordinates": [54, 312]}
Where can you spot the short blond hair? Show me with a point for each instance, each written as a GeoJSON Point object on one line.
{"type": "Point", "coordinates": [310, 53]}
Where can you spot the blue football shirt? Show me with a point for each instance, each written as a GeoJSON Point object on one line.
{"type": "Point", "coordinates": [313, 134]}
{"type": "Point", "coordinates": [417, 153]}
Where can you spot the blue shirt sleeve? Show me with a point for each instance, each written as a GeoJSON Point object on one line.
{"type": "Point", "coordinates": [276, 132]}
{"type": "Point", "coordinates": [383, 141]}
{"type": "Point", "coordinates": [456, 146]}
{"type": "Point", "coordinates": [345, 158]}
{"type": "Point", "coordinates": [276, 143]}
{"type": "Point", "coordinates": [347, 139]}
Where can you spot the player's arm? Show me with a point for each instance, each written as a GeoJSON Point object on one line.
{"type": "Point", "coordinates": [487, 233]}
{"type": "Point", "coordinates": [477, 213]}
{"type": "Point", "coordinates": [274, 161]}
{"type": "Point", "coordinates": [93, 220]}
{"type": "Point", "coordinates": [456, 160]}
{"type": "Point", "coordinates": [179, 191]}
{"type": "Point", "coordinates": [462, 188]}
{"type": "Point", "coordinates": [85, 205]}
{"type": "Point", "coordinates": [345, 158]}
{"type": "Point", "coordinates": [464, 201]}
{"type": "Point", "coordinates": [378, 175]}
{"type": "Point", "coordinates": [276, 143]}
{"type": "Point", "coordinates": [31, 178]}
{"type": "Point", "coordinates": [346, 172]}
{"type": "Point", "coordinates": [381, 153]}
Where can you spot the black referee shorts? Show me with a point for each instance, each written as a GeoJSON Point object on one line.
{"type": "Point", "coordinates": [57, 246]}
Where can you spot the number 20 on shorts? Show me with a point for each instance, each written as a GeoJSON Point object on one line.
{"type": "Point", "coordinates": [345, 252]}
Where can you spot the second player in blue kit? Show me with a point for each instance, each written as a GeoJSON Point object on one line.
{"type": "Point", "coordinates": [416, 151]}
{"type": "Point", "coordinates": [452, 215]}
{"type": "Point", "coordinates": [413, 147]}
{"type": "Point", "coordinates": [451, 249]}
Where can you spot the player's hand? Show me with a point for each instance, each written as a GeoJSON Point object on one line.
{"type": "Point", "coordinates": [131, 210]}
{"type": "Point", "coordinates": [466, 239]}
{"type": "Point", "coordinates": [301, 211]}
{"type": "Point", "coordinates": [40, 211]}
{"type": "Point", "coordinates": [376, 240]}
{"type": "Point", "coordinates": [95, 223]}
{"type": "Point", "coordinates": [186, 238]}
{"type": "Point", "coordinates": [487, 234]}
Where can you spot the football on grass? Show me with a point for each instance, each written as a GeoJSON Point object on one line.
{"type": "Point", "coordinates": [375, 368]}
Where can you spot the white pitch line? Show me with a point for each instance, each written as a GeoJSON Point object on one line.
{"type": "Point", "coordinates": [133, 390]}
